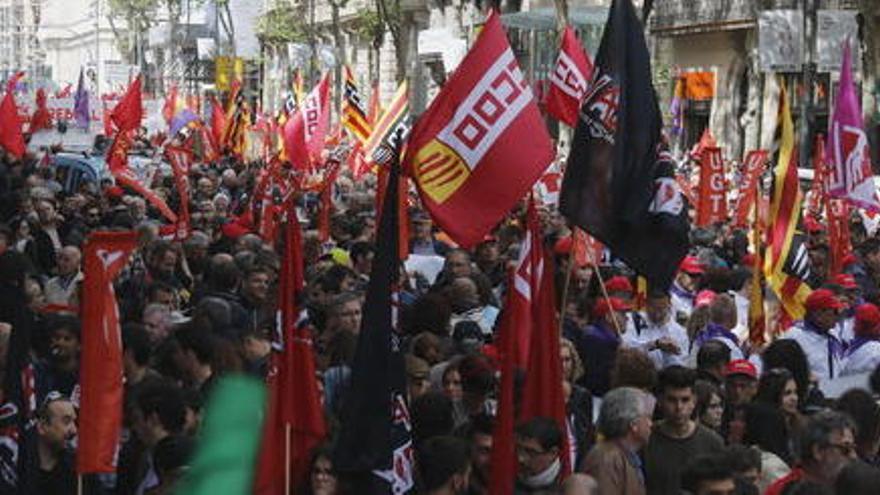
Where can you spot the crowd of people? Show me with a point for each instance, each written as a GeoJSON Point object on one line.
{"type": "Point", "coordinates": [666, 393]}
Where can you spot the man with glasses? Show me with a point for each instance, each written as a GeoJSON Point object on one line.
{"type": "Point", "coordinates": [538, 445]}
{"type": "Point", "coordinates": [827, 445]}
{"type": "Point", "coordinates": [49, 464]}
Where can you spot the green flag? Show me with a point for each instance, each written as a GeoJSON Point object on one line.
{"type": "Point", "coordinates": [226, 456]}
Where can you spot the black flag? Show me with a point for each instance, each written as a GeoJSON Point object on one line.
{"type": "Point", "coordinates": [374, 450]}
{"type": "Point", "coordinates": [619, 183]}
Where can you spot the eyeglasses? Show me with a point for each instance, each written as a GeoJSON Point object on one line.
{"type": "Point", "coordinates": [529, 451]}
{"type": "Point", "coordinates": [845, 449]}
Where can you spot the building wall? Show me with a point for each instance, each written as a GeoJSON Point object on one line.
{"type": "Point", "coordinates": [19, 49]}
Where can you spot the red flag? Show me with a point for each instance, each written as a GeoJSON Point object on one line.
{"type": "Point", "coordinates": [65, 92]}
{"type": "Point", "coordinates": [11, 138]}
{"type": "Point", "coordinates": [294, 419]}
{"type": "Point", "coordinates": [100, 418]}
{"type": "Point", "coordinates": [713, 188]}
{"type": "Point", "coordinates": [569, 80]}
{"type": "Point", "coordinates": [117, 162]}
{"type": "Point", "coordinates": [836, 210]}
{"type": "Point", "coordinates": [109, 128]}
{"type": "Point", "coordinates": [170, 106]}
{"type": "Point", "coordinates": [326, 196]}
{"type": "Point", "coordinates": [117, 157]}
{"type": "Point", "coordinates": [218, 121]}
{"type": "Point", "coordinates": [482, 144]}
{"type": "Point", "coordinates": [753, 168]}
{"type": "Point", "coordinates": [707, 140]}
{"type": "Point", "coordinates": [41, 118]}
{"type": "Point", "coordinates": [304, 133]}
{"type": "Point", "coordinates": [180, 160]}
{"type": "Point", "coordinates": [129, 111]}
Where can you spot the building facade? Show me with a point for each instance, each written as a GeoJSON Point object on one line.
{"type": "Point", "coordinates": [19, 46]}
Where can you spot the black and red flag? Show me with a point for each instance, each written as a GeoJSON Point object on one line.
{"type": "Point", "coordinates": [617, 186]}
{"type": "Point", "coordinates": [374, 451]}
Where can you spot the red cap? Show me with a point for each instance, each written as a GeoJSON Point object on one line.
{"type": "Point", "coordinates": [691, 265]}
{"type": "Point", "coordinates": [811, 225]}
{"type": "Point", "coordinates": [704, 298]}
{"type": "Point", "coordinates": [822, 299]}
{"type": "Point", "coordinates": [846, 281]}
{"type": "Point", "coordinates": [849, 259]}
{"type": "Point", "coordinates": [748, 259]}
{"type": "Point", "coordinates": [233, 230]}
{"type": "Point", "coordinates": [741, 367]}
{"type": "Point", "coordinates": [488, 238]}
{"type": "Point", "coordinates": [562, 246]}
{"type": "Point", "coordinates": [604, 306]}
{"type": "Point", "coordinates": [618, 284]}
{"type": "Point", "coordinates": [867, 321]}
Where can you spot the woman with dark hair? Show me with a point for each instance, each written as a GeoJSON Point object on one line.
{"type": "Point", "coordinates": [778, 389]}
{"type": "Point", "coordinates": [786, 353]}
{"type": "Point", "coordinates": [766, 429]}
{"type": "Point", "coordinates": [863, 409]}
{"type": "Point", "coordinates": [710, 405]}
{"type": "Point", "coordinates": [322, 477]}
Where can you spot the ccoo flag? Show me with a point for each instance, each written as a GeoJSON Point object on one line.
{"type": "Point", "coordinates": [569, 80]}
{"type": "Point", "coordinates": [618, 186]}
{"type": "Point", "coordinates": [850, 175]}
{"type": "Point", "coordinates": [482, 144]}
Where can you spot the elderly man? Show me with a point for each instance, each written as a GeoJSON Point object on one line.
{"type": "Point", "coordinates": [827, 445]}
{"type": "Point", "coordinates": [625, 422]}
{"type": "Point", "coordinates": [61, 290]}
{"type": "Point", "coordinates": [823, 349]}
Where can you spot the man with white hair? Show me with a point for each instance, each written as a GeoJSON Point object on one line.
{"type": "Point", "coordinates": [625, 423]}
{"type": "Point", "coordinates": [62, 289]}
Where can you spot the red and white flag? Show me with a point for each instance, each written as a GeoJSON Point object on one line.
{"type": "Point", "coordinates": [753, 168]}
{"type": "Point", "coordinates": [712, 206]}
{"type": "Point", "coordinates": [304, 133]}
{"type": "Point", "coordinates": [569, 79]}
{"type": "Point", "coordinates": [482, 144]}
{"type": "Point", "coordinates": [100, 378]}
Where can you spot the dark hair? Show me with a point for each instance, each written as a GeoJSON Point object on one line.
{"type": "Point", "coordinates": [158, 286]}
{"type": "Point", "coordinates": [63, 322]}
{"type": "Point", "coordinates": [136, 340]}
{"type": "Point", "coordinates": [786, 353]}
{"type": "Point", "coordinates": [675, 377]}
{"type": "Point", "coordinates": [711, 354]}
{"type": "Point", "coordinates": [544, 430]}
{"type": "Point", "coordinates": [197, 340]}
{"type": "Point", "coordinates": [479, 424]}
{"type": "Point", "coordinates": [361, 249]}
{"type": "Point", "coordinates": [164, 399]}
{"type": "Point", "coordinates": [858, 478]}
{"type": "Point", "coordinates": [766, 428]}
{"type": "Point", "coordinates": [704, 391]}
{"type": "Point", "coordinates": [771, 386]}
{"type": "Point", "coordinates": [863, 409]}
{"type": "Point", "coordinates": [870, 246]}
{"type": "Point", "coordinates": [742, 458]}
{"type": "Point", "coordinates": [707, 467]}
{"type": "Point", "coordinates": [429, 313]}
{"type": "Point", "coordinates": [222, 274]}
{"type": "Point", "coordinates": [633, 368]}
{"type": "Point", "coordinates": [431, 416]}
{"type": "Point", "coordinates": [172, 454]}
{"type": "Point", "coordinates": [477, 376]}
{"type": "Point", "coordinates": [818, 431]}
{"type": "Point", "coordinates": [440, 458]}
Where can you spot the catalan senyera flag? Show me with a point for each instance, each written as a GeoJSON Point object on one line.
{"type": "Point", "coordinates": [354, 113]}
{"type": "Point", "coordinates": [482, 143]}
{"type": "Point", "coordinates": [757, 315]}
{"type": "Point", "coordinates": [238, 118]}
{"type": "Point", "coordinates": [392, 126]}
{"type": "Point", "coordinates": [786, 262]}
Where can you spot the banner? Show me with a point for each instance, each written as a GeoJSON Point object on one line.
{"type": "Point", "coordinates": [753, 167]}
{"type": "Point", "coordinates": [712, 206]}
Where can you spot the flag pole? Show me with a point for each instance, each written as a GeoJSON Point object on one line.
{"type": "Point", "coordinates": [287, 480]}
{"type": "Point", "coordinates": [604, 290]}
{"type": "Point", "coordinates": [79, 484]}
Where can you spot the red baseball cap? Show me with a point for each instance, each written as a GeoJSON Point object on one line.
{"type": "Point", "coordinates": [849, 259]}
{"type": "Point", "coordinates": [867, 321]}
{"type": "Point", "coordinates": [563, 245]}
{"type": "Point", "coordinates": [741, 367]}
{"type": "Point", "coordinates": [691, 265]}
{"type": "Point", "coordinates": [822, 299]}
{"type": "Point", "coordinates": [604, 306]}
{"type": "Point", "coordinates": [704, 298]}
{"type": "Point", "coordinates": [846, 281]}
{"type": "Point", "coordinates": [618, 284]}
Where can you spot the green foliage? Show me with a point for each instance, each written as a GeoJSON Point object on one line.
{"type": "Point", "coordinates": [369, 24]}
{"type": "Point", "coordinates": [279, 26]}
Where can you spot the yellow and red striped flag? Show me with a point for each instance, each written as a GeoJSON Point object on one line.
{"type": "Point", "coordinates": [354, 114]}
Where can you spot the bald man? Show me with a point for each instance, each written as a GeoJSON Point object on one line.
{"type": "Point", "coordinates": [63, 289]}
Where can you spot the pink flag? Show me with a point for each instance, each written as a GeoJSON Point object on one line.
{"type": "Point", "coordinates": [849, 170]}
{"type": "Point", "coordinates": [304, 133]}
{"type": "Point", "coordinates": [569, 80]}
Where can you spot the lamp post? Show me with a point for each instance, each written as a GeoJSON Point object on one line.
{"type": "Point", "coordinates": [810, 9]}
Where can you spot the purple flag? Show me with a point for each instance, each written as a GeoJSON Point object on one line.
{"type": "Point", "coordinates": [81, 103]}
{"type": "Point", "coordinates": [850, 176]}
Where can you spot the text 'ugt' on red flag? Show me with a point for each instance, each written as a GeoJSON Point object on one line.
{"type": "Point", "coordinates": [482, 144]}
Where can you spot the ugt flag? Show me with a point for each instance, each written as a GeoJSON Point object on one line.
{"type": "Point", "coordinates": [569, 79]}
{"type": "Point", "coordinates": [482, 144]}
{"type": "Point", "coordinates": [850, 175]}
{"type": "Point", "coordinates": [618, 186]}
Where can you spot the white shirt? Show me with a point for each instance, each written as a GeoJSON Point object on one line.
{"type": "Point", "coordinates": [824, 364]}
{"type": "Point", "coordinates": [649, 334]}
{"type": "Point", "coordinates": [680, 303]}
{"type": "Point", "coordinates": [864, 359]}
{"type": "Point", "coordinates": [846, 329]}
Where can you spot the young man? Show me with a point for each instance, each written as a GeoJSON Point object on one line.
{"type": "Point", "coordinates": [709, 475]}
{"type": "Point", "coordinates": [157, 417]}
{"type": "Point", "coordinates": [445, 465]}
{"type": "Point", "coordinates": [538, 449]}
{"type": "Point", "coordinates": [676, 438]}
{"type": "Point", "coordinates": [625, 422]}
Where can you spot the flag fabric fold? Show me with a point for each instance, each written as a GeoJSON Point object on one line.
{"type": "Point", "coordinates": [41, 119]}
{"type": "Point", "coordinates": [81, 103]}
{"type": "Point", "coordinates": [482, 144]}
{"type": "Point", "coordinates": [11, 138]}
{"type": "Point", "coordinates": [569, 79]}
{"type": "Point", "coordinates": [128, 113]}
{"type": "Point", "coordinates": [619, 184]}
{"type": "Point", "coordinates": [100, 419]}
{"type": "Point", "coordinates": [304, 132]}
{"type": "Point", "coordinates": [374, 449]}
